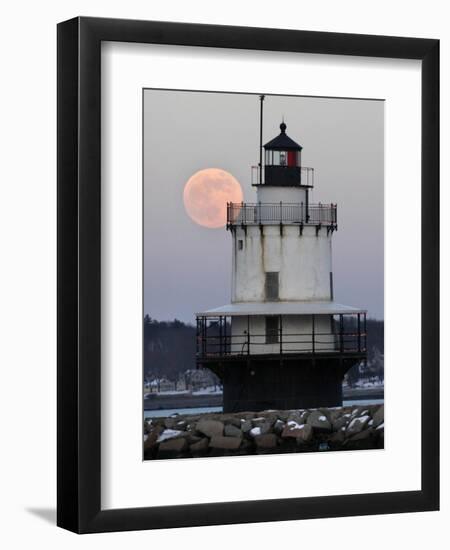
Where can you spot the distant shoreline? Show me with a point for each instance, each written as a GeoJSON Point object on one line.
{"type": "Point", "coordinates": [184, 401]}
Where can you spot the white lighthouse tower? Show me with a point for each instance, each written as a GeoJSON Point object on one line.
{"type": "Point", "coordinates": [282, 342]}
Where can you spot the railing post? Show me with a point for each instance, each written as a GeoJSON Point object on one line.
{"type": "Point", "coordinates": [259, 212]}
{"type": "Point", "coordinates": [341, 332]}
{"type": "Point", "coordinates": [243, 211]}
{"type": "Point", "coordinates": [359, 332]}
{"type": "Point", "coordinates": [197, 345]}
{"type": "Point", "coordinates": [365, 333]}
{"type": "Point", "coordinates": [281, 212]}
{"type": "Point", "coordinates": [307, 206]}
{"type": "Point", "coordinates": [203, 336]}
{"type": "Point", "coordinates": [314, 333]}
{"type": "Point", "coordinates": [225, 336]}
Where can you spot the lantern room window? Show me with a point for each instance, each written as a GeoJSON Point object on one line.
{"type": "Point", "coordinates": [282, 158]}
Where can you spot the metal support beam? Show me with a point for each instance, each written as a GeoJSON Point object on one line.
{"type": "Point", "coordinates": [261, 98]}
{"type": "Point", "coordinates": [281, 333]}
{"type": "Point", "coordinates": [248, 334]}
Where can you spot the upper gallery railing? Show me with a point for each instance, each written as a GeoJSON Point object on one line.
{"type": "Point", "coordinates": [281, 213]}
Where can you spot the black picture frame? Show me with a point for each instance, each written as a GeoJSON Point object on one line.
{"type": "Point", "coordinates": [79, 276]}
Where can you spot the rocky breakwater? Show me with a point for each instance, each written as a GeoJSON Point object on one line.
{"type": "Point", "coordinates": [337, 429]}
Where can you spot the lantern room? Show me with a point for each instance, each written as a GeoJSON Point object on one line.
{"type": "Point", "coordinates": [282, 160]}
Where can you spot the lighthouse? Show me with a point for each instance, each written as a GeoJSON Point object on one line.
{"type": "Point", "coordinates": [282, 342]}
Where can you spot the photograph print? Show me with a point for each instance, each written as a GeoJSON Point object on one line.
{"type": "Point", "coordinates": [263, 232]}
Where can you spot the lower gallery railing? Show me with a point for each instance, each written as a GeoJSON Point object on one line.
{"type": "Point", "coordinates": [217, 339]}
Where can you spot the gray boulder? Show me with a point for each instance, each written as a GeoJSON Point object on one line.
{"type": "Point", "coordinates": [292, 429]}
{"type": "Point", "coordinates": [171, 421]}
{"type": "Point", "coordinates": [246, 426]}
{"type": "Point", "coordinates": [319, 422]}
{"type": "Point", "coordinates": [255, 432]}
{"type": "Point", "coordinates": [278, 427]}
{"type": "Point", "coordinates": [337, 437]}
{"type": "Point", "coordinates": [181, 425]}
{"type": "Point", "coordinates": [300, 416]}
{"type": "Point", "coordinates": [283, 415]}
{"type": "Point", "coordinates": [340, 422]}
{"type": "Point", "coordinates": [356, 425]}
{"type": "Point", "coordinates": [334, 414]}
{"type": "Point", "coordinates": [210, 428]}
{"type": "Point", "coordinates": [364, 434]}
{"type": "Point", "coordinates": [200, 447]}
{"type": "Point", "coordinates": [265, 427]}
{"type": "Point", "coordinates": [165, 435]}
{"type": "Point", "coordinates": [261, 421]}
{"type": "Point", "coordinates": [305, 434]}
{"type": "Point", "coordinates": [192, 438]}
{"type": "Point", "coordinates": [379, 433]}
{"type": "Point", "coordinates": [378, 417]}
{"type": "Point", "coordinates": [231, 431]}
{"type": "Point", "coordinates": [232, 420]}
{"type": "Point", "coordinates": [223, 442]}
{"type": "Point", "coordinates": [266, 441]}
{"type": "Point", "coordinates": [172, 448]}
{"type": "Point", "coordinates": [362, 440]}
{"type": "Point", "coordinates": [152, 439]}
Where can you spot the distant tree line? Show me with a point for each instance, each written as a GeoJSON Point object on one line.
{"type": "Point", "coordinates": [373, 369]}
{"type": "Point", "coordinates": [170, 346]}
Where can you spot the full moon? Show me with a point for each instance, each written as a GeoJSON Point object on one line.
{"type": "Point", "coordinates": [206, 194]}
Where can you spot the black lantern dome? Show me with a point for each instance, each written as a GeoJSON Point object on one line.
{"type": "Point", "coordinates": [282, 165]}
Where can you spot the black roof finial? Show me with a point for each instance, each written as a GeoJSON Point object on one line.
{"type": "Point", "coordinates": [283, 127]}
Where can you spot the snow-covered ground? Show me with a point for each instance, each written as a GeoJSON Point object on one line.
{"type": "Point", "coordinates": [210, 390]}
{"type": "Point", "coordinates": [365, 384]}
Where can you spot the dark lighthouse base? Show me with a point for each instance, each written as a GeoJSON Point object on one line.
{"type": "Point", "coordinates": [256, 385]}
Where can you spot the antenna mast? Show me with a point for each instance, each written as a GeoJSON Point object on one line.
{"type": "Point", "coordinates": [261, 98]}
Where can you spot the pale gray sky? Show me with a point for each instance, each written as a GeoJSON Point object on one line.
{"type": "Point", "coordinates": [187, 268]}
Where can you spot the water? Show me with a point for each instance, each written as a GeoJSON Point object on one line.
{"type": "Point", "coordinates": [202, 410]}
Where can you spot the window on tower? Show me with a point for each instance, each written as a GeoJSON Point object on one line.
{"type": "Point", "coordinates": [240, 244]}
{"type": "Point", "coordinates": [272, 330]}
{"type": "Point", "coordinates": [272, 290]}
